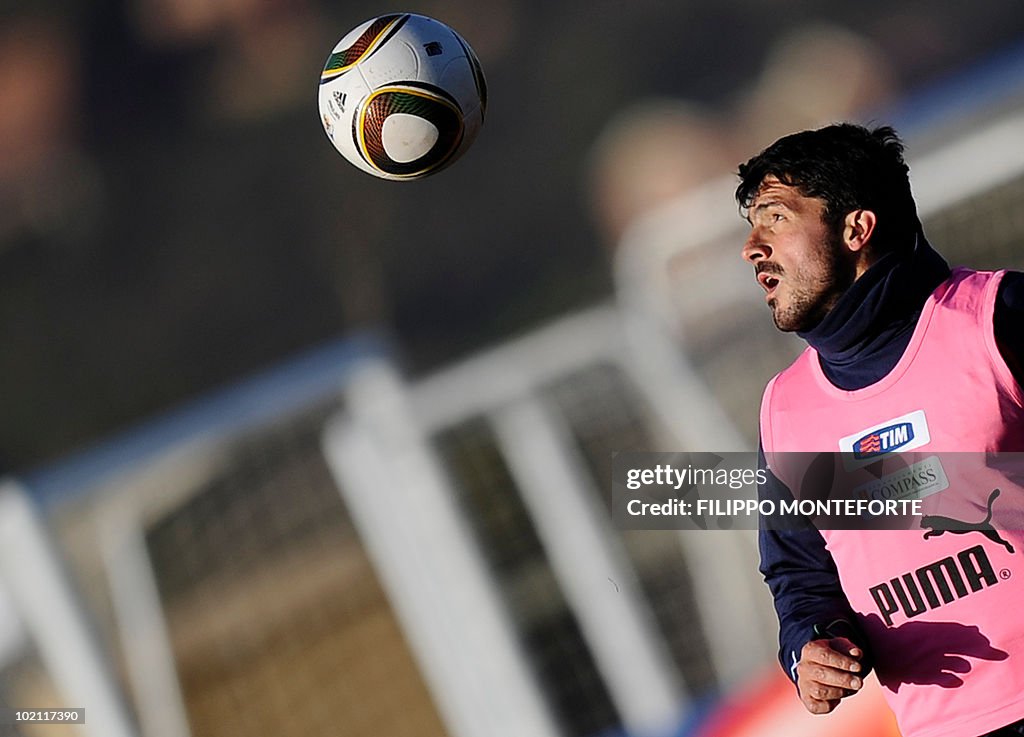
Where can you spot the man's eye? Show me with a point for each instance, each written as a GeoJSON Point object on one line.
{"type": "Point", "coordinates": [777, 216]}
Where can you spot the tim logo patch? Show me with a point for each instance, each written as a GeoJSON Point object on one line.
{"type": "Point", "coordinates": [900, 433]}
{"type": "Point", "coordinates": [886, 440]}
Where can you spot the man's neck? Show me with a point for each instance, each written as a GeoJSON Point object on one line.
{"type": "Point", "coordinates": [865, 334]}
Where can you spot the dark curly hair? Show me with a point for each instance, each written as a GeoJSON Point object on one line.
{"type": "Point", "coordinates": [849, 167]}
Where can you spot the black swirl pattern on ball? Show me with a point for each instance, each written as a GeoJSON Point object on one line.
{"type": "Point", "coordinates": [423, 101]}
{"type": "Point", "coordinates": [341, 61]}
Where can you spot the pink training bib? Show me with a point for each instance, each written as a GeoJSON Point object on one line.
{"type": "Point", "coordinates": [943, 607]}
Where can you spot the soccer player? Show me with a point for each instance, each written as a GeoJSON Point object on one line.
{"type": "Point", "coordinates": [896, 341]}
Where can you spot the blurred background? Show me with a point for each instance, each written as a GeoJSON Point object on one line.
{"type": "Point", "coordinates": [290, 450]}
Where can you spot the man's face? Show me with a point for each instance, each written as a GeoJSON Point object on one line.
{"type": "Point", "coordinates": [799, 262]}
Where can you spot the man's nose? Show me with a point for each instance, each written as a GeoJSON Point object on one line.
{"type": "Point", "coordinates": [755, 248]}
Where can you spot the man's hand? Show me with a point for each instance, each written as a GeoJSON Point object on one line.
{"type": "Point", "coordinates": [827, 672]}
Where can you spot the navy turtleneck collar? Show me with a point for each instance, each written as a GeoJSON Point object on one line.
{"type": "Point", "coordinates": [863, 337]}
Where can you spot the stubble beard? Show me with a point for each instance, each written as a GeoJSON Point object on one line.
{"type": "Point", "coordinates": [813, 291]}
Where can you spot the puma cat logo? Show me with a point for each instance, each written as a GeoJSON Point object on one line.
{"type": "Point", "coordinates": [938, 525]}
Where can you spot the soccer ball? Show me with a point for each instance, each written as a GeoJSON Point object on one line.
{"type": "Point", "coordinates": [402, 96]}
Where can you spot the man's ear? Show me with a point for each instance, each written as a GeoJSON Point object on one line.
{"type": "Point", "coordinates": [858, 227]}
